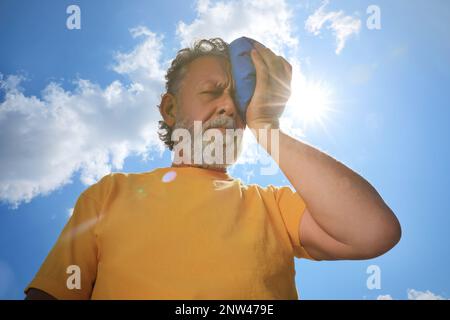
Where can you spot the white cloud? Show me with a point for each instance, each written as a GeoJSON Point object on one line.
{"type": "Point", "coordinates": [45, 140]}
{"type": "Point", "coordinates": [143, 63]}
{"type": "Point", "coordinates": [268, 21]}
{"type": "Point", "coordinates": [415, 295]}
{"type": "Point", "coordinates": [423, 295]}
{"type": "Point", "coordinates": [342, 26]}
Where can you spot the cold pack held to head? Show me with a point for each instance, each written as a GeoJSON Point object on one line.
{"type": "Point", "coordinates": [243, 71]}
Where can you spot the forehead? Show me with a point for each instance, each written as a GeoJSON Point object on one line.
{"type": "Point", "coordinates": [208, 69]}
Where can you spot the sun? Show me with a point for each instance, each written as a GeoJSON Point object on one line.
{"type": "Point", "coordinates": [310, 103]}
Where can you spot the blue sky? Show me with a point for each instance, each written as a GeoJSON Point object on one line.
{"type": "Point", "coordinates": [77, 104]}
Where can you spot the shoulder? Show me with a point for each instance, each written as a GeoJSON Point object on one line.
{"type": "Point", "coordinates": [269, 191]}
{"type": "Point", "coordinates": [100, 189]}
{"type": "Point", "coordinates": [113, 182]}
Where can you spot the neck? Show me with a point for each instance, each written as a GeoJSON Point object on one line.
{"type": "Point", "coordinates": [219, 169]}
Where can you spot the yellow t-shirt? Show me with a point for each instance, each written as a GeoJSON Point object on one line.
{"type": "Point", "coordinates": [177, 233]}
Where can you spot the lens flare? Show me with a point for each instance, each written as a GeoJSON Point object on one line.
{"type": "Point", "coordinates": [169, 176]}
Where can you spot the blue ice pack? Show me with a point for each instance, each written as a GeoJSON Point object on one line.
{"type": "Point", "coordinates": [243, 71]}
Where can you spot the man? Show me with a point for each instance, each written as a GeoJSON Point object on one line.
{"type": "Point", "coordinates": [191, 231]}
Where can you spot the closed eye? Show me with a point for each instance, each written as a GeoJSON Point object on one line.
{"type": "Point", "coordinates": [214, 92]}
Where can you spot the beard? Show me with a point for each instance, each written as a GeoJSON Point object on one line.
{"type": "Point", "coordinates": [228, 143]}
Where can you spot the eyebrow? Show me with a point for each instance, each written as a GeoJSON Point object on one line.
{"type": "Point", "coordinates": [214, 82]}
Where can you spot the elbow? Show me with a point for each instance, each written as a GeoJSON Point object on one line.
{"type": "Point", "coordinates": [396, 233]}
{"type": "Point", "coordinates": [393, 230]}
{"type": "Point", "coordinates": [382, 238]}
{"type": "Point", "coordinates": [386, 237]}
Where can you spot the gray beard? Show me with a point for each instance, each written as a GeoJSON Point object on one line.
{"type": "Point", "coordinates": [221, 121]}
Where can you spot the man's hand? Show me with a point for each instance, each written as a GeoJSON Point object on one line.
{"type": "Point", "coordinates": [273, 89]}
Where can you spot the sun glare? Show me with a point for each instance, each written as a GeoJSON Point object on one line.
{"type": "Point", "coordinates": [310, 104]}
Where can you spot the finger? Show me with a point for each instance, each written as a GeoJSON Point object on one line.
{"type": "Point", "coordinates": [282, 70]}
{"type": "Point", "coordinates": [262, 71]}
{"type": "Point", "coordinates": [265, 53]}
{"type": "Point", "coordinates": [258, 45]}
{"type": "Point", "coordinates": [276, 66]}
{"type": "Point", "coordinates": [287, 69]}
{"type": "Point", "coordinates": [273, 62]}
{"type": "Point", "coordinates": [287, 65]}
{"type": "Point", "coordinates": [283, 84]}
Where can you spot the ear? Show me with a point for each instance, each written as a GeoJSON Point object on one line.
{"type": "Point", "coordinates": [168, 108]}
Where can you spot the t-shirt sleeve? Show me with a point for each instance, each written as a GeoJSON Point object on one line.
{"type": "Point", "coordinates": [69, 271]}
{"type": "Point", "coordinates": [292, 207]}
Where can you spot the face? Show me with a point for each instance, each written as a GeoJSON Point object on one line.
{"type": "Point", "coordinates": [206, 95]}
{"type": "Point", "coordinates": [206, 91]}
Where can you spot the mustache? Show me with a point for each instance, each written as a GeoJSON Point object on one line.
{"type": "Point", "coordinates": [225, 122]}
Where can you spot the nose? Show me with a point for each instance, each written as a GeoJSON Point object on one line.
{"type": "Point", "coordinates": [226, 104]}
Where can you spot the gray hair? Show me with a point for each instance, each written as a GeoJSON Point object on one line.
{"type": "Point", "coordinates": [177, 71]}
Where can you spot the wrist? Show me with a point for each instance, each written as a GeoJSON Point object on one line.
{"type": "Point", "coordinates": [267, 135]}
{"type": "Point", "coordinates": [257, 125]}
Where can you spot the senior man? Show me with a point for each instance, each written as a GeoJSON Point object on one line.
{"type": "Point", "coordinates": [191, 231]}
